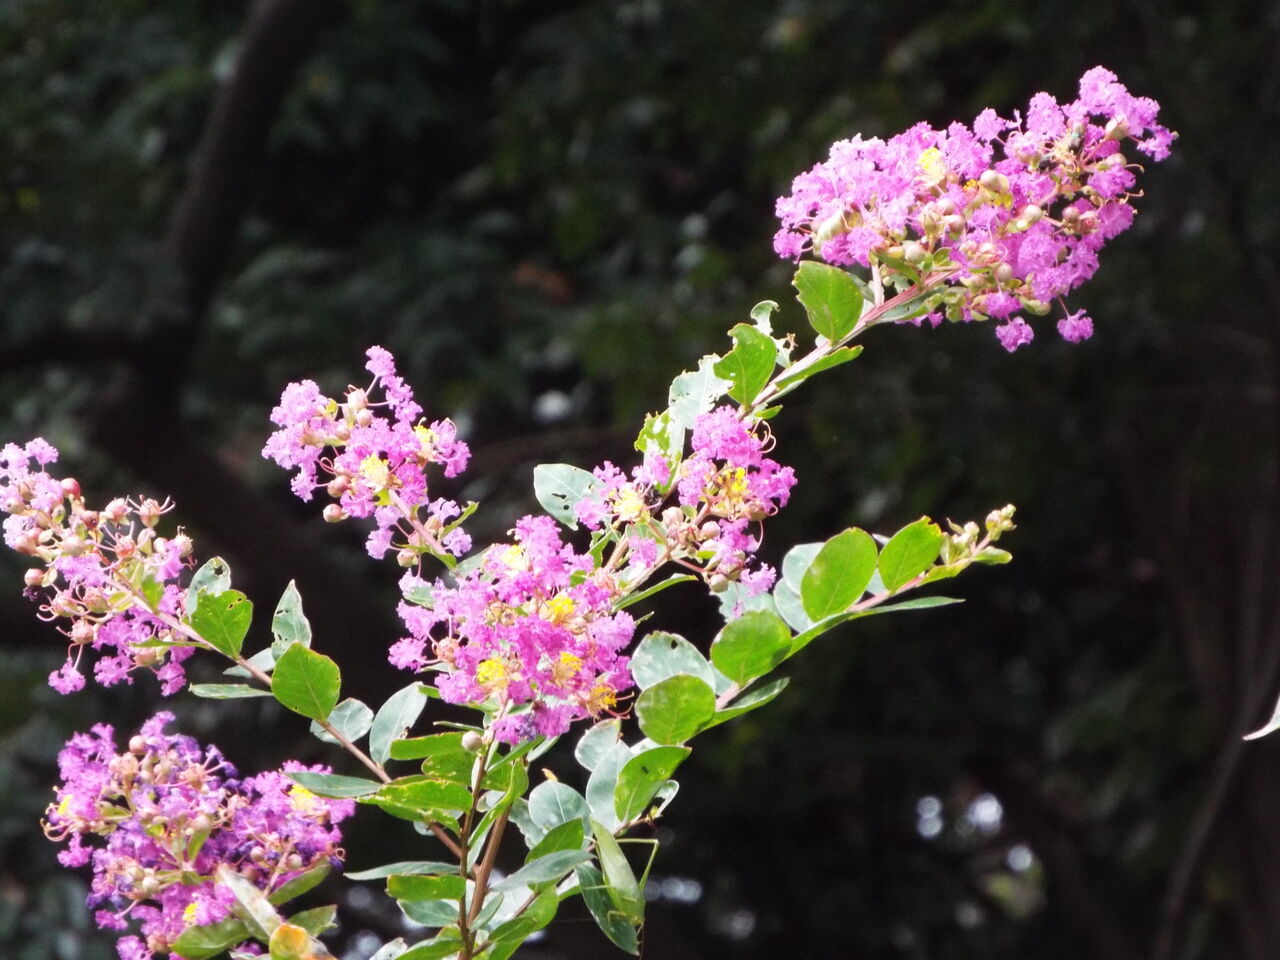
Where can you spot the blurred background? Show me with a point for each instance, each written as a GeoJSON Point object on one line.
{"type": "Point", "coordinates": [546, 210]}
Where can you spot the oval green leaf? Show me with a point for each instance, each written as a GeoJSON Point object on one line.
{"type": "Point", "coordinates": [641, 777]}
{"type": "Point", "coordinates": [830, 297]}
{"type": "Point", "coordinates": [910, 552]}
{"type": "Point", "coordinates": [838, 574]}
{"type": "Point", "coordinates": [306, 682]}
{"type": "Point", "coordinates": [751, 646]}
{"type": "Point", "coordinates": [675, 709]}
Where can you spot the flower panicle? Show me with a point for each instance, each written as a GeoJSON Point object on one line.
{"type": "Point", "coordinates": [1010, 213]}
{"type": "Point", "coordinates": [107, 577]}
{"type": "Point", "coordinates": [370, 456]}
{"type": "Point", "coordinates": [158, 819]}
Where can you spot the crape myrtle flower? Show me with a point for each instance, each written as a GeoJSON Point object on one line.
{"type": "Point", "coordinates": [530, 630]}
{"type": "Point", "coordinates": [158, 819]}
{"type": "Point", "coordinates": [1012, 213]}
{"type": "Point", "coordinates": [371, 457]}
{"type": "Point", "coordinates": [108, 579]}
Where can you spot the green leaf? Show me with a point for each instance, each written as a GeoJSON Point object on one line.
{"type": "Point", "coordinates": [198, 943]}
{"type": "Point", "coordinates": [749, 365]}
{"type": "Point", "coordinates": [675, 709]}
{"type": "Point", "coordinates": [545, 869]}
{"type": "Point", "coordinates": [351, 718]}
{"type": "Point", "coordinates": [316, 920]}
{"type": "Point", "coordinates": [552, 803]}
{"type": "Point", "coordinates": [426, 868]}
{"type": "Point", "coordinates": [597, 741]}
{"type": "Point", "coordinates": [645, 594]}
{"type": "Point", "coordinates": [751, 646]}
{"type": "Point", "coordinates": [300, 885]}
{"type": "Point", "coordinates": [390, 950]}
{"type": "Point", "coordinates": [430, 913]}
{"type": "Point", "coordinates": [222, 619]}
{"type": "Point", "coordinates": [790, 381]}
{"type": "Point", "coordinates": [910, 552]}
{"type": "Point", "coordinates": [568, 836]}
{"type": "Point", "coordinates": [306, 682]}
{"type": "Point", "coordinates": [603, 783]}
{"type": "Point", "coordinates": [919, 603]}
{"type": "Point", "coordinates": [213, 577]}
{"type": "Point", "coordinates": [515, 931]}
{"type": "Point", "coordinates": [838, 574]}
{"type": "Point", "coordinates": [641, 777]}
{"type": "Point", "coordinates": [289, 624]}
{"type": "Point", "coordinates": [436, 949]}
{"type": "Point", "coordinates": [660, 655]}
{"type": "Point", "coordinates": [444, 755]}
{"type": "Point", "coordinates": [251, 906]}
{"type": "Point", "coordinates": [558, 488]}
{"type": "Point", "coordinates": [694, 393]}
{"type": "Point", "coordinates": [619, 879]}
{"type": "Point", "coordinates": [334, 784]}
{"type": "Point", "coordinates": [596, 896]}
{"type": "Point", "coordinates": [419, 887]}
{"type": "Point", "coordinates": [152, 591]}
{"type": "Point", "coordinates": [831, 298]}
{"type": "Point", "coordinates": [393, 720]}
{"type": "Point", "coordinates": [227, 691]}
{"type": "Point", "coordinates": [751, 700]}
{"type": "Point", "coordinates": [421, 798]}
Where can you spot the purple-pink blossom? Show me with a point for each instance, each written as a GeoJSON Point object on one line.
{"type": "Point", "coordinates": [371, 457]}
{"type": "Point", "coordinates": [1013, 212]}
{"type": "Point", "coordinates": [159, 818]}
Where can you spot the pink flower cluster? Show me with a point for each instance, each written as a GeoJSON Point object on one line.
{"type": "Point", "coordinates": [531, 630]}
{"type": "Point", "coordinates": [106, 573]}
{"type": "Point", "coordinates": [723, 486]}
{"type": "Point", "coordinates": [1011, 232]}
{"type": "Point", "coordinates": [170, 812]}
{"type": "Point", "coordinates": [378, 464]}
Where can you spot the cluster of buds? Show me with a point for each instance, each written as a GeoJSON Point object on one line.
{"type": "Point", "coordinates": [378, 462]}
{"type": "Point", "coordinates": [168, 813]}
{"type": "Point", "coordinates": [107, 577]}
{"type": "Point", "coordinates": [1007, 234]}
{"type": "Point", "coordinates": [967, 544]}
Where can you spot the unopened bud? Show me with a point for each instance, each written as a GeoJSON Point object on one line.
{"type": "Point", "coordinates": [33, 577]}
{"type": "Point", "coordinates": [1003, 272]}
{"type": "Point", "coordinates": [357, 399]}
{"type": "Point", "coordinates": [406, 558]}
{"type": "Point", "coordinates": [137, 745]}
{"type": "Point", "coordinates": [334, 513]}
{"type": "Point", "coordinates": [995, 182]}
{"type": "Point", "coordinates": [718, 583]}
{"type": "Point", "coordinates": [1117, 129]}
{"type": "Point", "coordinates": [709, 530]}
{"type": "Point", "coordinates": [70, 488]}
{"type": "Point", "coordinates": [913, 252]}
{"type": "Point", "coordinates": [82, 632]}
{"type": "Point", "coordinates": [338, 486]}
{"type": "Point", "coordinates": [945, 206]}
{"type": "Point", "coordinates": [73, 546]}
{"type": "Point", "coordinates": [954, 223]}
{"type": "Point", "coordinates": [364, 418]}
{"type": "Point", "coordinates": [472, 741]}
{"type": "Point", "coordinates": [1031, 213]}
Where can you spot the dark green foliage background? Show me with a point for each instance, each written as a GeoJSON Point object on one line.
{"type": "Point", "coordinates": [546, 210]}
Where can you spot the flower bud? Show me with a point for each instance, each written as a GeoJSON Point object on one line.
{"type": "Point", "coordinates": [334, 513]}
{"type": "Point", "coordinates": [338, 486]}
{"type": "Point", "coordinates": [913, 252]}
{"type": "Point", "coordinates": [34, 577]}
{"type": "Point", "coordinates": [995, 182]}
{"type": "Point", "coordinates": [718, 583]}
{"type": "Point", "coordinates": [149, 512]}
{"type": "Point", "coordinates": [364, 418]}
{"type": "Point", "coordinates": [406, 558]}
{"type": "Point", "coordinates": [137, 745]}
{"type": "Point", "coordinates": [82, 632]}
{"type": "Point", "coordinates": [357, 399]}
{"type": "Point", "coordinates": [73, 546]}
{"type": "Point", "coordinates": [1117, 129]}
{"type": "Point", "coordinates": [709, 530]}
{"type": "Point", "coordinates": [472, 741]}
{"type": "Point", "coordinates": [70, 488]}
